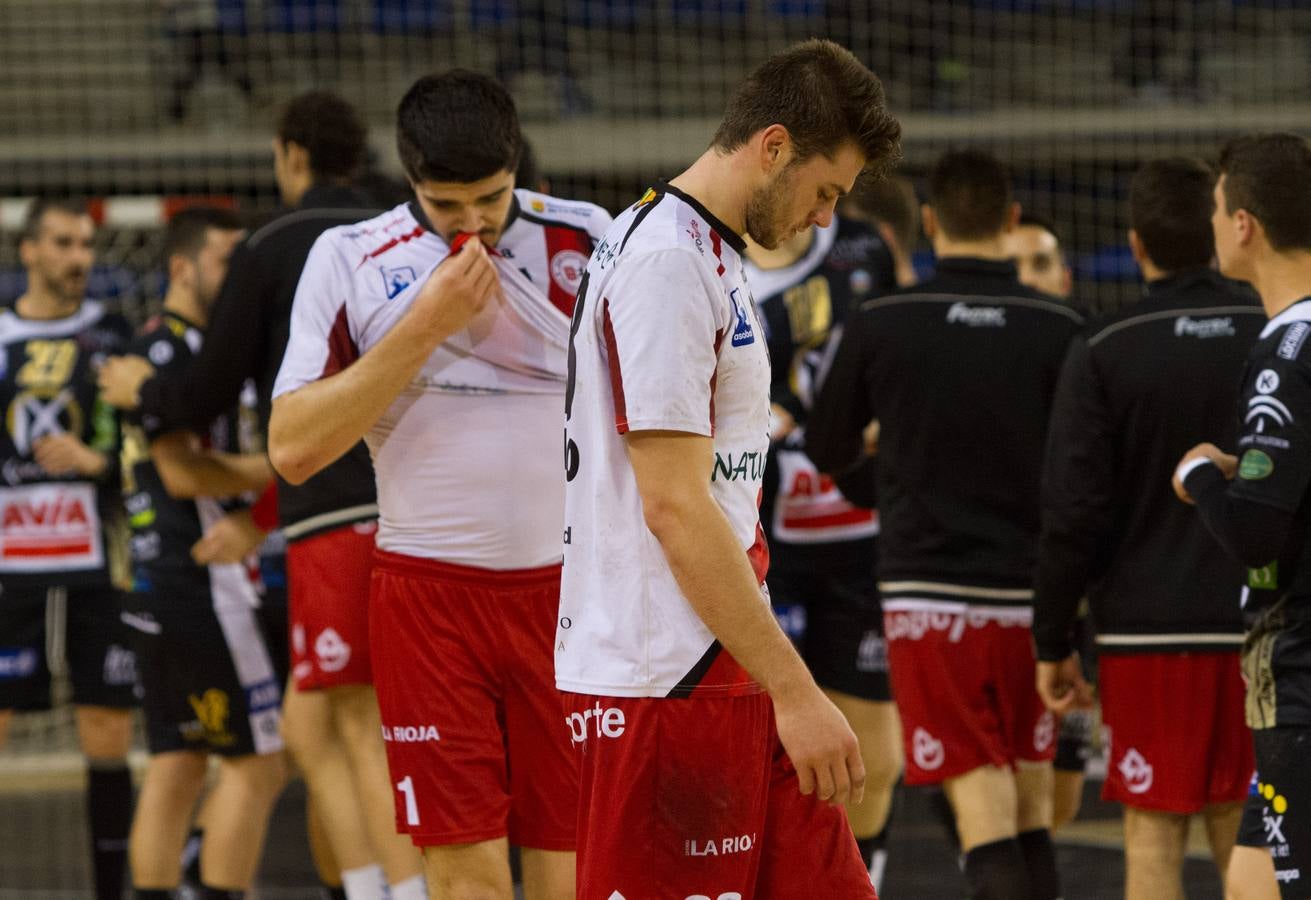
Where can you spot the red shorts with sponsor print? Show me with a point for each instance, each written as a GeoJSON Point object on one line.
{"type": "Point", "coordinates": [464, 667]}
{"type": "Point", "coordinates": [328, 601]}
{"type": "Point", "coordinates": [1177, 737]}
{"type": "Point", "coordinates": [963, 684]}
{"type": "Point", "coordinates": [695, 798]}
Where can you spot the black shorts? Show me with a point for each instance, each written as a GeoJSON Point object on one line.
{"type": "Point", "coordinates": [207, 670]}
{"type": "Point", "coordinates": [836, 621]}
{"type": "Point", "coordinates": [274, 617]}
{"type": "Point", "coordinates": [1277, 815]}
{"type": "Point", "coordinates": [43, 629]}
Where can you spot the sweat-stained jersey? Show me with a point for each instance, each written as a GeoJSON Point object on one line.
{"type": "Point", "coordinates": [56, 528]}
{"type": "Point", "coordinates": [462, 476]}
{"type": "Point", "coordinates": [665, 336]}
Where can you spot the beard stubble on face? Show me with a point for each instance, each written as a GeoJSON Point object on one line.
{"type": "Point", "coordinates": [766, 211]}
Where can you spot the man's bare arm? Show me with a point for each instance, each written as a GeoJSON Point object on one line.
{"type": "Point", "coordinates": [713, 573]}
{"type": "Point", "coordinates": [189, 470]}
{"type": "Point", "coordinates": [313, 426]}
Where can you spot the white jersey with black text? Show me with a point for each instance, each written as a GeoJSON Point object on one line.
{"type": "Point", "coordinates": [665, 337]}
{"type": "Point", "coordinates": [458, 455]}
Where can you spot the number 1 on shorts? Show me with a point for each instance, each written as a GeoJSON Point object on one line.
{"type": "Point", "coordinates": [406, 787]}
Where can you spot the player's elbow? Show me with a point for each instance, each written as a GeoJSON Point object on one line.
{"type": "Point", "coordinates": [178, 482]}
{"type": "Point", "coordinates": [667, 512]}
{"type": "Point", "coordinates": [295, 464]}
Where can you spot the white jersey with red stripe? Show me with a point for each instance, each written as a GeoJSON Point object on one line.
{"type": "Point", "coordinates": [665, 337]}
{"type": "Point", "coordinates": [458, 455]}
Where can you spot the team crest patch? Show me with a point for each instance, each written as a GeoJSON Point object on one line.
{"type": "Point", "coordinates": [567, 269]}
{"type": "Point", "coordinates": [397, 279]}
{"type": "Point", "coordinates": [538, 206]}
{"type": "Point", "coordinates": [743, 333]}
{"type": "Point", "coordinates": [161, 352]}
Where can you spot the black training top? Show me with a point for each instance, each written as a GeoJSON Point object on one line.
{"type": "Point", "coordinates": [247, 337]}
{"type": "Point", "coordinates": [1139, 390]}
{"type": "Point", "coordinates": [960, 372]}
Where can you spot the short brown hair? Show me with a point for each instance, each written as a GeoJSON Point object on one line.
{"type": "Point", "coordinates": [1170, 209]}
{"type": "Point", "coordinates": [970, 193]}
{"type": "Point", "coordinates": [35, 215]}
{"type": "Point", "coordinates": [823, 96]}
{"type": "Point", "coordinates": [1269, 175]}
{"type": "Point", "coordinates": [331, 132]}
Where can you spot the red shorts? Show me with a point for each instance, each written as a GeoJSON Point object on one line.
{"type": "Point", "coordinates": [1203, 756]}
{"type": "Point", "coordinates": [695, 798]}
{"type": "Point", "coordinates": [464, 667]}
{"type": "Point", "coordinates": [328, 600]}
{"type": "Point", "coordinates": [964, 687]}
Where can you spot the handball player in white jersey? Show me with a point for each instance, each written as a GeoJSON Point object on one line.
{"type": "Point", "coordinates": [711, 763]}
{"type": "Point", "coordinates": [437, 331]}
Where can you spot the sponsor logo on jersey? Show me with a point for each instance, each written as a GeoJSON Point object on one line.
{"type": "Point", "coordinates": [32, 416]}
{"type": "Point", "coordinates": [603, 722]}
{"type": "Point", "coordinates": [50, 526]}
{"type": "Point", "coordinates": [1255, 465]}
{"type": "Point", "coordinates": [567, 270]}
{"type": "Point", "coordinates": [397, 279]}
{"type": "Point", "coordinates": [1218, 326]}
{"type": "Point", "coordinates": [1265, 578]}
{"type": "Point", "coordinates": [748, 467]}
{"type": "Point", "coordinates": [742, 843]}
{"type": "Point", "coordinates": [1272, 820]}
{"type": "Point", "coordinates": [976, 316]}
{"type": "Point", "coordinates": [1267, 382]}
{"type": "Point", "coordinates": [410, 734]}
{"type": "Point", "coordinates": [538, 206]}
{"type": "Point", "coordinates": [694, 232]}
{"type": "Point", "coordinates": [1136, 771]}
{"type": "Point", "coordinates": [1289, 347]}
{"type": "Point", "coordinates": [17, 662]}
{"type": "Point", "coordinates": [1263, 408]}
{"type": "Point", "coordinates": [743, 334]}
{"type": "Point", "coordinates": [927, 751]}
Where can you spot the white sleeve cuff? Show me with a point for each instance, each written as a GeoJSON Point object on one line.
{"type": "Point", "coordinates": [1189, 467]}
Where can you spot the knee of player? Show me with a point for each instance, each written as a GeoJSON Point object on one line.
{"type": "Point", "coordinates": [470, 886]}
{"type": "Point", "coordinates": [262, 775]}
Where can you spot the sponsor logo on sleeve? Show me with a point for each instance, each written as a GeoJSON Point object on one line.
{"type": "Point", "coordinates": [333, 653]}
{"type": "Point", "coordinates": [567, 270]}
{"type": "Point", "coordinates": [743, 333]}
{"type": "Point", "coordinates": [1294, 337]}
{"type": "Point", "coordinates": [1255, 465]}
{"type": "Point", "coordinates": [976, 316]}
{"type": "Point", "coordinates": [1265, 578]}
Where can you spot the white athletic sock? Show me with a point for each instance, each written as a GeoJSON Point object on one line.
{"type": "Point", "coordinates": [364, 883]}
{"type": "Point", "coordinates": [414, 888]}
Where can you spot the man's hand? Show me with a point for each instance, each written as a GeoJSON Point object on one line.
{"type": "Point", "coordinates": [65, 454]}
{"type": "Point", "coordinates": [120, 380]}
{"type": "Point", "coordinates": [822, 747]}
{"type": "Point", "coordinates": [457, 290]}
{"type": "Point", "coordinates": [1227, 464]}
{"type": "Point", "coordinates": [1062, 687]}
{"type": "Point", "coordinates": [229, 540]}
